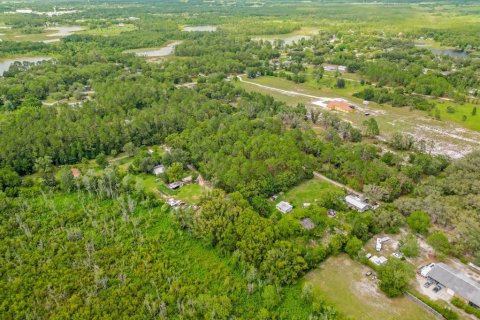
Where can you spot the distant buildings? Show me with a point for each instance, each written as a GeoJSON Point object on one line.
{"type": "Point", "coordinates": [284, 207]}
{"type": "Point", "coordinates": [356, 203]}
{"type": "Point", "coordinates": [334, 68]}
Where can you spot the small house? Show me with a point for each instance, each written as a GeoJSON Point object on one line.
{"type": "Point", "coordinates": [356, 203]}
{"type": "Point", "coordinates": [284, 207]}
{"type": "Point", "coordinates": [174, 203]}
{"type": "Point", "coordinates": [75, 172]}
{"type": "Point", "coordinates": [158, 170]}
{"type": "Point", "coordinates": [342, 106]}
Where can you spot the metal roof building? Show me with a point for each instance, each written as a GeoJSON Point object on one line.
{"type": "Point", "coordinates": [357, 203]}
{"type": "Point", "coordinates": [284, 207]}
{"type": "Point", "coordinates": [456, 281]}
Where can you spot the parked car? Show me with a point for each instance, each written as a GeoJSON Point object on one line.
{"type": "Point", "coordinates": [437, 288]}
{"type": "Point", "coordinates": [428, 284]}
{"type": "Point", "coordinates": [368, 274]}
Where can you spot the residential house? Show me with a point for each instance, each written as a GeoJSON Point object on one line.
{"type": "Point", "coordinates": [356, 203]}
{"type": "Point", "coordinates": [284, 207]}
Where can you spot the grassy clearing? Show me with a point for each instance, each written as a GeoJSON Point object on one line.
{"type": "Point", "coordinates": [471, 122]}
{"type": "Point", "coordinates": [307, 192]}
{"type": "Point", "coordinates": [113, 30]}
{"type": "Point", "coordinates": [190, 193]}
{"type": "Point", "coordinates": [343, 283]}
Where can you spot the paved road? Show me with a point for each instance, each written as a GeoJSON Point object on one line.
{"type": "Point", "coordinates": [336, 183]}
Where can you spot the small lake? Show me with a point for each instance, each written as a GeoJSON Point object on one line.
{"type": "Point", "coordinates": [286, 40]}
{"type": "Point", "coordinates": [156, 52]}
{"type": "Point", "coordinates": [200, 29]}
{"type": "Point", "coordinates": [63, 31]}
{"type": "Point", "coordinates": [439, 51]}
{"type": "Point", "coordinates": [5, 64]}
{"type": "Point", "coordinates": [450, 52]}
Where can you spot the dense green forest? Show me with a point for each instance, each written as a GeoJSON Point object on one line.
{"type": "Point", "coordinates": [87, 231]}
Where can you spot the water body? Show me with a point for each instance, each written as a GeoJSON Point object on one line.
{"type": "Point", "coordinates": [200, 29]}
{"type": "Point", "coordinates": [157, 52]}
{"type": "Point", "coordinates": [439, 51]}
{"type": "Point", "coordinates": [5, 64]}
{"type": "Point", "coordinates": [450, 52]}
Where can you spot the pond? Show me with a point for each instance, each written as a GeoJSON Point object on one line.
{"type": "Point", "coordinates": [439, 51]}
{"type": "Point", "coordinates": [450, 52]}
{"type": "Point", "coordinates": [200, 29]}
{"type": "Point", "coordinates": [5, 64]}
{"type": "Point", "coordinates": [156, 52]}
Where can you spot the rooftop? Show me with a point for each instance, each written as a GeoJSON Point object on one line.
{"type": "Point", "coordinates": [340, 106]}
{"type": "Point", "coordinates": [356, 202]}
{"type": "Point", "coordinates": [284, 206]}
{"type": "Point", "coordinates": [456, 281]}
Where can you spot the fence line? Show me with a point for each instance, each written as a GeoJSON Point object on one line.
{"type": "Point", "coordinates": [426, 306]}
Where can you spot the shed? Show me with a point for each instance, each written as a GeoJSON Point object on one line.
{"type": "Point", "coordinates": [357, 203]}
{"type": "Point", "coordinates": [284, 207]}
{"type": "Point", "coordinates": [174, 185]}
{"type": "Point", "coordinates": [158, 170]}
{"type": "Point", "coordinates": [457, 282]}
{"type": "Point", "coordinates": [307, 223]}
{"type": "Point", "coordinates": [378, 260]}
{"type": "Point", "coordinates": [338, 105]}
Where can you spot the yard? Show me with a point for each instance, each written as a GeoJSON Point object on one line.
{"type": "Point", "coordinates": [307, 192]}
{"type": "Point", "coordinates": [343, 283]}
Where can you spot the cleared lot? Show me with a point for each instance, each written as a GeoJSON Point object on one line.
{"type": "Point", "coordinates": [342, 281]}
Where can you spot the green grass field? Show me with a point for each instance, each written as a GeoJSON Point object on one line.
{"type": "Point", "coordinates": [190, 193]}
{"type": "Point", "coordinates": [471, 122]}
{"type": "Point", "coordinates": [307, 192]}
{"type": "Point", "coordinates": [343, 283]}
{"type": "Point", "coordinates": [113, 30]}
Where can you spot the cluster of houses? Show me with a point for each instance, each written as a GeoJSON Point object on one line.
{"type": "Point", "coordinates": [455, 282]}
